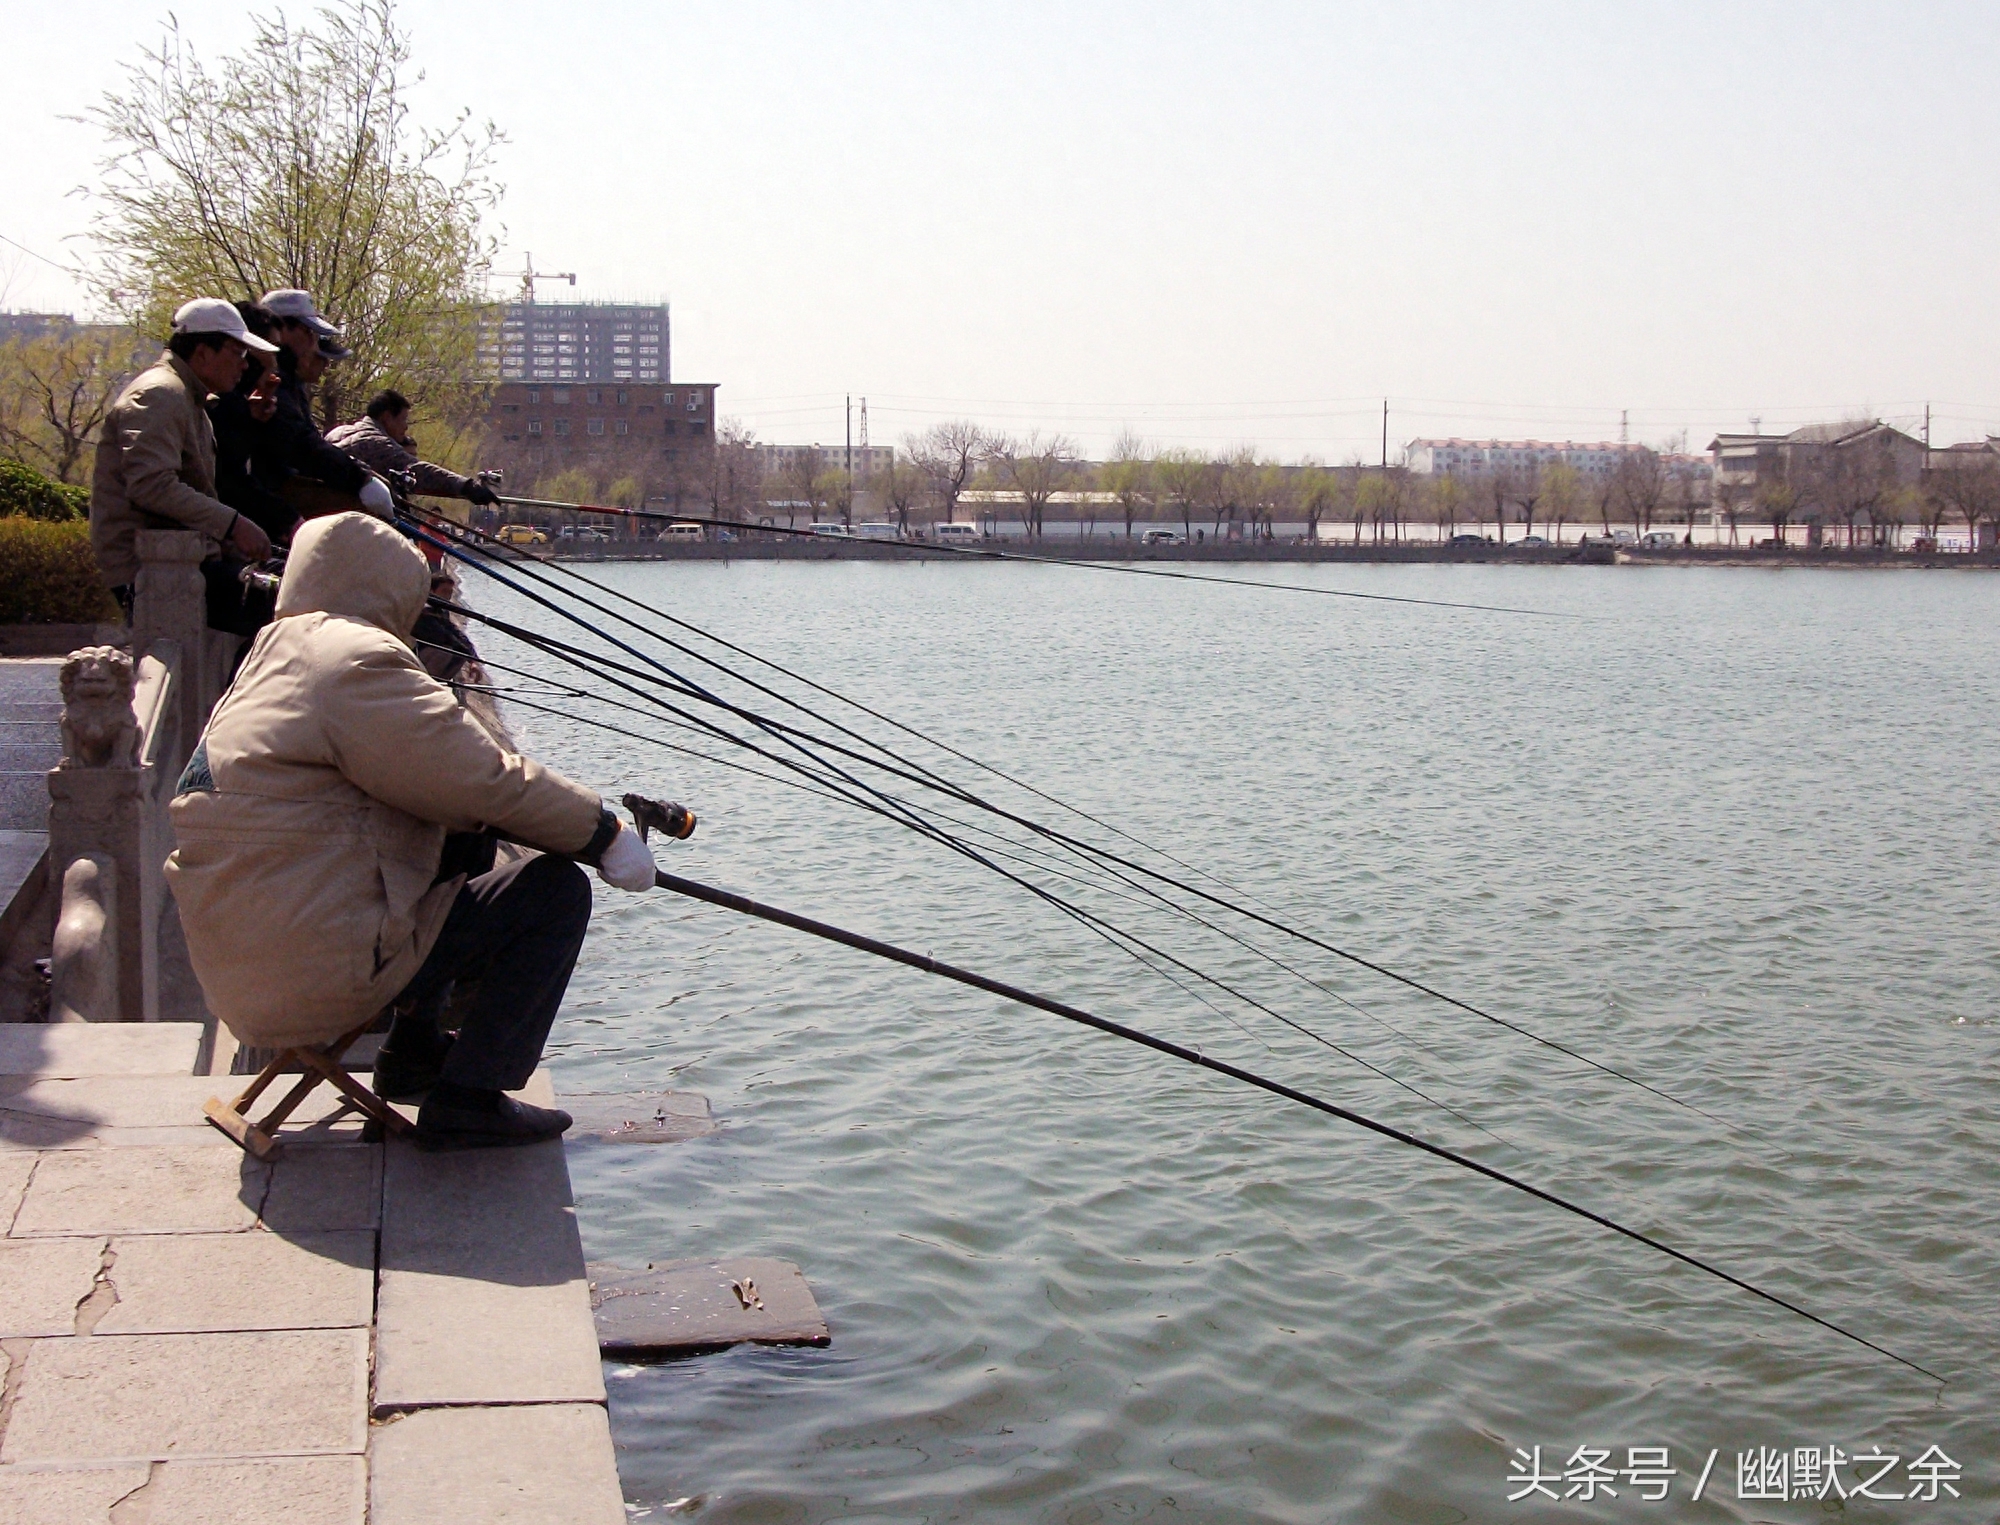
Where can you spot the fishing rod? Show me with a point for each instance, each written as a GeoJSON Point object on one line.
{"type": "Point", "coordinates": [1121, 938]}
{"type": "Point", "coordinates": [530, 566]}
{"type": "Point", "coordinates": [745, 906]}
{"type": "Point", "coordinates": [981, 553]}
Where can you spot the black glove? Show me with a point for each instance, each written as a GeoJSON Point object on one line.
{"type": "Point", "coordinates": [478, 492]}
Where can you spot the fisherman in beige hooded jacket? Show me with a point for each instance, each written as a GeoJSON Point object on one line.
{"type": "Point", "coordinates": [310, 825]}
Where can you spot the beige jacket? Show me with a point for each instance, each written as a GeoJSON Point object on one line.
{"type": "Point", "coordinates": [155, 468]}
{"type": "Point", "coordinates": [311, 820]}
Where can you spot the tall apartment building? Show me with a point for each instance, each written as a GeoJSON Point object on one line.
{"type": "Point", "coordinates": [577, 342]}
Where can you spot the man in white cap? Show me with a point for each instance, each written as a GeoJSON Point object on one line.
{"type": "Point", "coordinates": [156, 453]}
{"type": "Point", "coordinates": [307, 344]}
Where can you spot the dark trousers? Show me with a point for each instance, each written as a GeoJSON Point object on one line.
{"type": "Point", "coordinates": [516, 930]}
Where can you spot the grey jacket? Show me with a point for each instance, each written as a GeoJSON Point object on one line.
{"type": "Point", "coordinates": [155, 468]}
{"type": "Point", "coordinates": [382, 453]}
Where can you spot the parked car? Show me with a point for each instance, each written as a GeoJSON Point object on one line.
{"type": "Point", "coordinates": [679, 532]}
{"type": "Point", "coordinates": [1162, 537]}
{"type": "Point", "coordinates": [831, 531]}
{"type": "Point", "coordinates": [877, 530]}
{"type": "Point", "coordinates": [958, 532]}
{"type": "Point", "coordinates": [1533, 542]}
{"type": "Point", "coordinates": [521, 534]}
{"type": "Point", "coordinates": [1659, 540]}
{"type": "Point", "coordinates": [583, 532]}
{"type": "Point", "coordinates": [1469, 542]}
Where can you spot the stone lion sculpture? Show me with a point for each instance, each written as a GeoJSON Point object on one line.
{"type": "Point", "coordinates": [98, 727]}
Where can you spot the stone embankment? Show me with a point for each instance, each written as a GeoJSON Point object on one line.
{"type": "Point", "coordinates": [353, 1331]}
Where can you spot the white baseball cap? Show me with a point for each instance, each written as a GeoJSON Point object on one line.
{"type": "Point", "coordinates": [212, 315]}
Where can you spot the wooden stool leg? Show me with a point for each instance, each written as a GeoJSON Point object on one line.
{"type": "Point", "coordinates": [318, 1065]}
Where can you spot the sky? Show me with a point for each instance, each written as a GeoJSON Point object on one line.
{"type": "Point", "coordinates": [1216, 225]}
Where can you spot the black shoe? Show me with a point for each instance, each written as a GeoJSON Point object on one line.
{"type": "Point", "coordinates": [405, 1078]}
{"type": "Point", "coordinates": [442, 1125]}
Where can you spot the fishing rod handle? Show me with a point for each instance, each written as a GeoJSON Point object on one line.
{"type": "Point", "coordinates": [674, 820]}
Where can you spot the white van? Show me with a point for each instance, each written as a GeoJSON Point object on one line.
{"type": "Point", "coordinates": [1659, 540]}
{"type": "Point", "coordinates": [681, 532]}
{"type": "Point", "coordinates": [1162, 537]}
{"type": "Point", "coordinates": [877, 531]}
{"type": "Point", "coordinates": [956, 533]}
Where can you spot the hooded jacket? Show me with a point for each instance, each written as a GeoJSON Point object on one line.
{"type": "Point", "coordinates": [155, 468]}
{"type": "Point", "coordinates": [311, 818]}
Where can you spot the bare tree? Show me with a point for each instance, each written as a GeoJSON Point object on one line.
{"type": "Point", "coordinates": [1641, 482]}
{"type": "Point", "coordinates": [1128, 476]}
{"type": "Point", "coordinates": [728, 473]}
{"type": "Point", "coordinates": [1562, 496]}
{"type": "Point", "coordinates": [1036, 466]}
{"type": "Point", "coordinates": [1526, 485]}
{"type": "Point", "coordinates": [55, 389]}
{"type": "Point", "coordinates": [899, 484]}
{"type": "Point", "coordinates": [1972, 491]}
{"type": "Point", "coordinates": [948, 455]}
{"type": "Point", "coordinates": [804, 480]}
{"type": "Point", "coordinates": [1448, 497]}
{"type": "Point", "coordinates": [1181, 474]}
{"type": "Point", "coordinates": [1317, 493]}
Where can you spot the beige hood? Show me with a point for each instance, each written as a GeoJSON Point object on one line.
{"type": "Point", "coordinates": [355, 565]}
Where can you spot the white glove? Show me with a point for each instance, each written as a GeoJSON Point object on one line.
{"type": "Point", "coordinates": [627, 863]}
{"type": "Point", "coordinates": [375, 498]}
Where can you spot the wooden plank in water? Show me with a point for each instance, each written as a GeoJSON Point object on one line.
{"type": "Point", "coordinates": [639, 1117]}
{"type": "Point", "coordinates": [684, 1307]}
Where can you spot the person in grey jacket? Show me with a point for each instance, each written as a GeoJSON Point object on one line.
{"type": "Point", "coordinates": [381, 441]}
{"type": "Point", "coordinates": [155, 466]}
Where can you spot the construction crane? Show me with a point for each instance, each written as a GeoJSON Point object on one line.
{"type": "Point", "coordinates": [529, 275]}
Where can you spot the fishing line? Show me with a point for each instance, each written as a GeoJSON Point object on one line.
{"type": "Point", "coordinates": [1117, 936]}
{"type": "Point", "coordinates": [743, 905]}
{"type": "Point", "coordinates": [933, 781]}
{"type": "Point", "coordinates": [1048, 561]}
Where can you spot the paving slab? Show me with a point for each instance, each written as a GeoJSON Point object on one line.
{"type": "Point", "coordinates": [482, 1296]}
{"type": "Point", "coordinates": [66, 1495]}
{"type": "Point", "coordinates": [298, 1490]}
{"type": "Point", "coordinates": [206, 1283]}
{"type": "Point", "coordinates": [191, 1189]}
{"type": "Point", "coordinates": [321, 1188]}
{"type": "Point", "coordinates": [42, 1281]}
{"type": "Point", "coordinates": [191, 1396]}
{"type": "Point", "coordinates": [16, 1166]}
{"type": "Point", "coordinates": [68, 1050]}
{"type": "Point", "coordinates": [679, 1307]}
{"type": "Point", "coordinates": [544, 1464]}
{"type": "Point", "coordinates": [137, 1101]}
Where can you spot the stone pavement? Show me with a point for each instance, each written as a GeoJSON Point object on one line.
{"type": "Point", "coordinates": [351, 1332]}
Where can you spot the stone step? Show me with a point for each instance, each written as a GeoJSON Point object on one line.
{"type": "Point", "coordinates": [71, 1050]}
{"type": "Point", "coordinates": [24, 801]}
{"type": "Point", "coordinates": [685, 1307]}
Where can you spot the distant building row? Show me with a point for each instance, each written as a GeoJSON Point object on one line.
{"type": "Point", "coordinates": [1496, 457]}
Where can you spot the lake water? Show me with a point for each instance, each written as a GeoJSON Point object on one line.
{"type": "Point", "coordinates": [1730, 831]}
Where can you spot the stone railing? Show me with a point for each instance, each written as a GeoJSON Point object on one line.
{"type": "Point", "coordinates": [130, 720]}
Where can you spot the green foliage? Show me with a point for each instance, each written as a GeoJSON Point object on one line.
{"type": "Point", "coordinates": [297, 162]}
{"type": "Point", "coordinates": [48, 575]}
{"type": "Point", "coordinates": [26, 493]}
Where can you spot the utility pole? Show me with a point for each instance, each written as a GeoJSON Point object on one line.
{"type": "Point", "coordinates": [1927, 426]}
{"type": "Point", "coordinates": [850, 458]}
{"type": "Point", "coordinates": [1624, 426]}
{"type": "Point", "coordinates": [1385, 434]}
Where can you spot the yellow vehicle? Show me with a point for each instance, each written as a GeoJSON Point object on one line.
{"type": "Point", "coordinates": [521, 534]}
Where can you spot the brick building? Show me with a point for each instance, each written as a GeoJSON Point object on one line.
{"type": "Point", "coordinates": [555, 427]}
